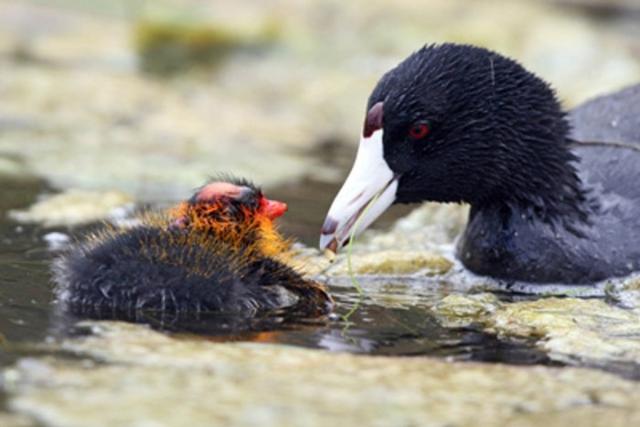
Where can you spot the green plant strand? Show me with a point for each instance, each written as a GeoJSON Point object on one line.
{"type": "Point", "coordinates": [352, 275]}
{"type": "Point", "coordinates": [352, 238]}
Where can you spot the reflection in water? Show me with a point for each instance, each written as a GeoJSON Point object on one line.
{"type": "Point", "coordinates": [371, 329]}
{"type": "Point", "coordinates": [407, 330]}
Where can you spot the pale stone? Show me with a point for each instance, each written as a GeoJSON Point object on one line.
{"type": "Point", "coordinates": [393, 263]}
{"type": "Point", "coordinates": [149, 379]}
{"type": "Point", "coordinates": [73, 207]}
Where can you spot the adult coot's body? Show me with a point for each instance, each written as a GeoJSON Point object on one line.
{"type": "Point", "coordinates": [456, 123]}
{"type": "Point", "coordinates": [217, 252]}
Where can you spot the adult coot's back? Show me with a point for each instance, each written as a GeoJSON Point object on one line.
{"type": "Point", "coordinates": [457, 123]}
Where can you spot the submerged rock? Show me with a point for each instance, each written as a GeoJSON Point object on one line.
{"type": "Point", "coordinates": [458, 310]}
{"type": "Point", "coordinates": [143, 375]}
{"type": "Point", "coordinates": [570, 330]}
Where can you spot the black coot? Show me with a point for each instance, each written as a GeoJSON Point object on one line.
{"type": "Point", "coordinates": [458, 123]}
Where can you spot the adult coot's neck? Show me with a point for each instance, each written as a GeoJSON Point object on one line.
{"type": "Point", "coordinates": [533, 170]}
{"type": "Point", "coordinates": [532, 166]}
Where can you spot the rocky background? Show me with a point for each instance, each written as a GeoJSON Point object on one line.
{"type": "Point", "coordinates": [149, 98]}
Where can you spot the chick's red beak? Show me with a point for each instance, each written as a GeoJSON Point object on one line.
{"type": "Point", "coordinates": [272, 208]}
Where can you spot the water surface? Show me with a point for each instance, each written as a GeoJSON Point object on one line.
{"type": "Point", "coordinates": [399, 325]}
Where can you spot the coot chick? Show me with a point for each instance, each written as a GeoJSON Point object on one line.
{"type": "Point", "coordinates": [217, 252]}
{"type": "Point", "coordinates": [458, 123]}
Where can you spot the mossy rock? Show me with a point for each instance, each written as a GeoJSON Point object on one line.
{"type": "Point", "coordinates": [458, 310]}
{"type": "Point", "coordinates": [395, 263]}
{"type": "Point", "coordinates": [165, 48]}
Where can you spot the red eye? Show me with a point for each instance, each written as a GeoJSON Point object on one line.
{"type": "Point", "coordinates": [419, 130]}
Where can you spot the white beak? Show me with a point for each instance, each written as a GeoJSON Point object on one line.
{"type": "Point", "coordinates": [369, 177]}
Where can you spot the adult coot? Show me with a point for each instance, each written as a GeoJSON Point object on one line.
{"type": "Point", "coordinates": [217, 252]}
{"type": "Point", "coordinates": [458, 123]}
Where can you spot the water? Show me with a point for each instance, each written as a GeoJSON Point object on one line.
{"type": "Point", "coordinates": [25, 293]}
{"type": "Point", "coordinates": [402, 325]}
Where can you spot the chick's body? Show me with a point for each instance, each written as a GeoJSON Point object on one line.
{"type": "Point", "coordinates": [217, 252]}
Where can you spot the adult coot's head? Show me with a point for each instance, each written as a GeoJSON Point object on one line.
{"type": "Point", "coordinates": [456, 123]}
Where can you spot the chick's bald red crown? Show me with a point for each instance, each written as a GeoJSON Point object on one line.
{"type": "Point", "coordinates": [235, 212]}
{"type": "Point", "coordinates": [244, 194]}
